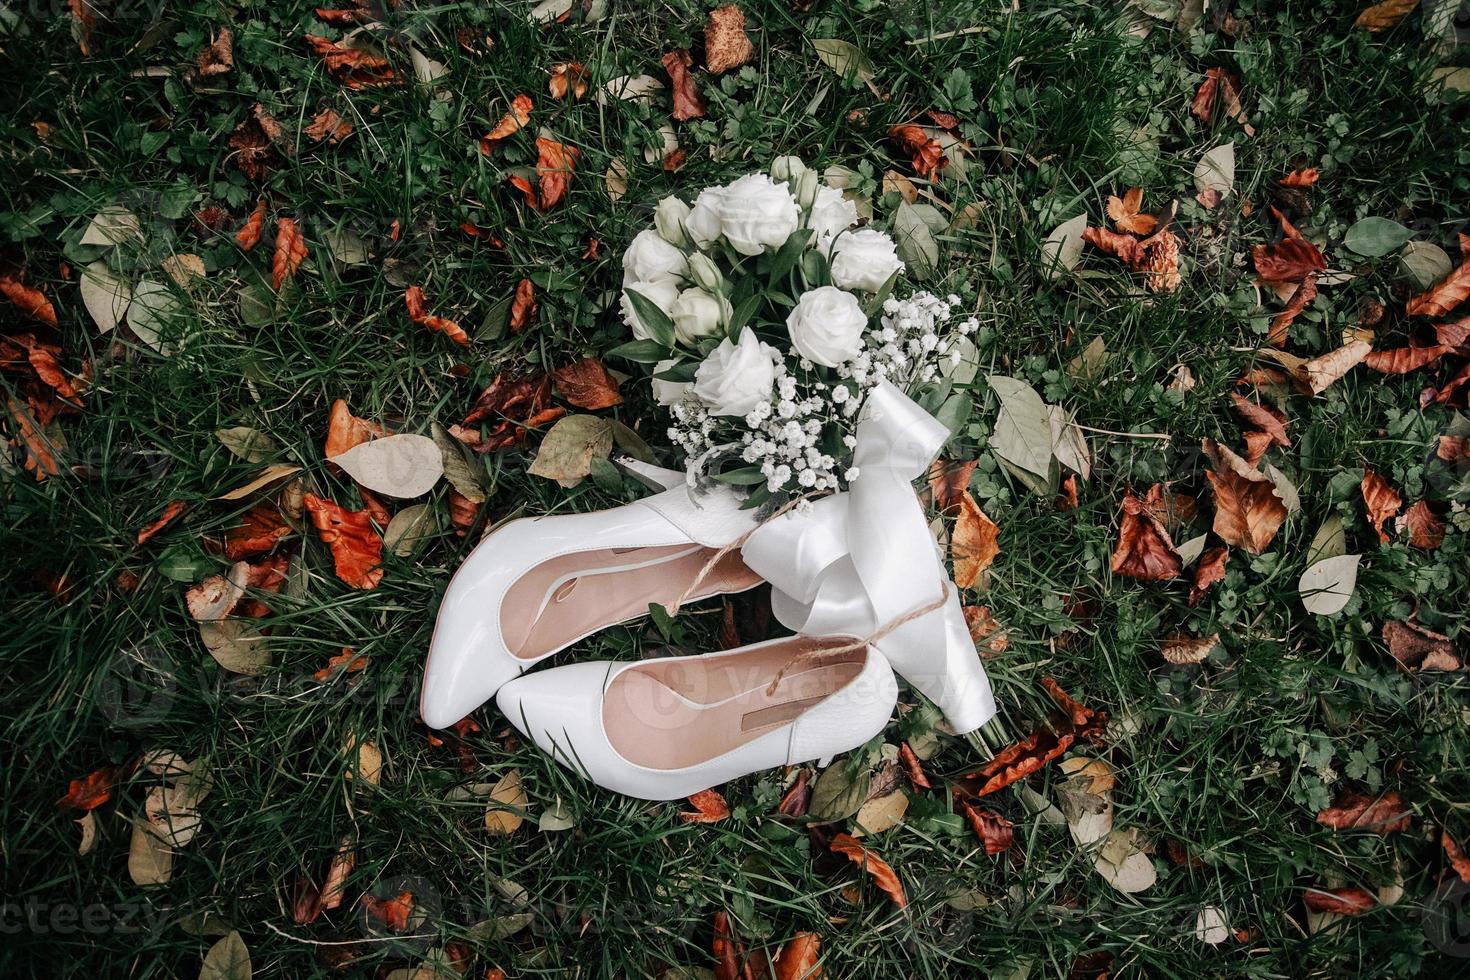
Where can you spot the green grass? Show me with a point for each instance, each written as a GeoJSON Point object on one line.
{"type": "Point", "coordinates": [1231, 759]}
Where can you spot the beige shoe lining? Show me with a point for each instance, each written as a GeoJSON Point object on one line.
{"type": "Point", "coordinates": [565, 598]}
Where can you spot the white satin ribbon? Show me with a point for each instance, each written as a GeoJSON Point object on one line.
{"type": "Point", "coordinates": [855, 561]}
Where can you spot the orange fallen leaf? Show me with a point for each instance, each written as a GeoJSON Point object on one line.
{"type": "Point", "coordinates": [1383, 814]}
{"type": "Point", "coordinates": [798, 958]}
{"type": "Point", "coordinates": [84, 19]}
{"type": "Point", "coordinates": [732, 961]}
{"type": "Point", "coordinates": [555, 163]}
{"type": "Point", "coordinates": [418, 312]}
{"type": "Point", "coordinates": [985, 632]}
{"type": "Point", "coordinates": [587, 384]}
{"type": "Point", "coordinates": [1125, 214]}
{"type": "Point", "coordinates": [1261, 417]}
{"type": "Point", "coordinates": [1145, 550]}
{"type": "Point", "coordinates": [217, 57]}
{"type": "Point", "coordinates": [1121, 246]}
{"type": "Point", "coordinates": [1417, 648]}
{"type": "Point", "coordinates": [948, 481]}
{"type": "Point", "coordinates": [394, 912]}
{"type": "Point", "coordinates": [924, 151]}
{"type": "Point", "coordinates": [40, 450]}
{"type": "Point", "coordinates": [1425, 528]}
{"type": "Point", "coordinates": [329, 126]}
{"type": "Point", "coordinates": [798, 796]}
{"type": "Point", "coordinates": [1209, 570]}
{"type": "Point", "coordinates": [346, 662]}
{"type": "Point", "coordinates": [883, 876]}
{"type": "Point", "coordinates": [1248, 510]}
{"type": "Point", "coordinates": [518, 115]}
{"type": "Point", "coordinates": [688, 103]}
{"type": "Point", "coordinates": [249, 234]}
{"type": "Point", "coordinates": [913, 767]}
{"type": "Point", "coordinates": [523, 306]}
{"type": "Point", "coordinates": [90, 791]}
{"type": "Point", "coordinates": [1382, 502]}
{"type": "Point", "coordinates": [1289, 260]}
{"type": "Point", "coordinates": [1450, 292]}
{"type": "Point", "coordinates": [994, 830]}
{"type": "Point", "coordinates": [1458, 861]}
{"type": "Point", "coordinates": [1402, 360]}
{"type": "Point", "coordinates": [1306, 291]}
{"type": "Point", "coordinates": [357, 68]}
{"type": "Point", "coordinates": [726, 45]}
{"type": "Point", "coordinates": [568, 77]}
{"type": "Point", "coordinates": [1342, 901]}
{"type": "Point", "coordinates": [172, 510]}
{"type": "Point", "coordinates": [290, 250]}
{"type": "Point", "coordinates": [260, 529]}
{"type": "Point", "coordinates": [32, 302]}
{"type": "Point", "coordinates": [345, 430]}
{"type": "Point", "coordinates": [1382, 16]}
{"type": "Point", "coordinates": [357, 550]}
{"type": "Point", "coordinates": [709, 807]}
{"type": "Point", "coordinates": [973, 543]}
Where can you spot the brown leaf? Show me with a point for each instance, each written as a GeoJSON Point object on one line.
{"type": "Point", "coordinates": [568, 77]}
{"type": "Point", "coordinates": [1449, 292]}
{"type": "Point", "coordinates": [972, 543]}
{"type": "Point", "coordinates": [31, 302]}
{"type": "Point", "coordinates": [1067, 496]}
{"type": "Point", "coordinates": [1382, 16]}
{"type": "Point", "coordinates": [1124, 212]}
{"type": "Point", "coordinates": [726, 44]}
{"type": "Point", "coordinates": [1402, 360]}
{"type": "Point", "coordinates": [172, 510]}
{"type": "Point", "coordinates": [418, 312]}
{"type": "Point", "coordinates": [1458, 861]}
{"type": "Point", "coordinates": [555, 163]}
{"type": "Point", "coordinates": [1306, 291]}
{"type": "Point", "coordinates": [1425, 527]}
{"type": "Point", "coordinates": [516, 405]}
{"type": "Point", "coordinates": [1184, 649]}
{"type": "Point", "coordinates": [1342, 901]}
{"type": "Point", "coordinates": [1144, 549]}
{"type": "Point", "coordinates": [1161, 262]}
{"type": "Point", "coordinates": [84, 16]}
{"type": "Point", "coordinates": [255, 154]}
{"type": "Point", "coordinates": [913, 767]}
{"type": "Point", "coordinates": [1209, 570]}
{"type": "Point", "coordinates": [394, 912]}
{"type": "Point", "coordinates": [329, 126]}
{"type": "Point", "coordinates": [1381, 500]}
{"type": "Point", "coordinates": [249, 234]}
{"type": "Point", "coordinates": [587, 384]}
{"type": "Point", "coordinates": [218, 57]}
{"type": "Point", "coordinates": [345, 430]}
{"type": "Point", "coordinates": [883, 876]}
{"type": "Point", "coordinates": [1383, 814]}
{"type": "Point", "coordinates": [1124, 247]}
{"type": "Point", "coordinates": [1261, 417]}
{"type": "Point", "coordinates": [357, 68]}
{"type": "Point", "coordinates": [1417, 648]}
{"type": "Point", "coordinates": [1300, 178]}
{"type": "Point", "coordinates": [798, 797]}
{"type": "Point", "coordinates": [523, 306]}
{"type": "Point", "coordinates": [90, 791]}
{"type": "Point", "coordinates": [1248, 510]}
{"type": "Point", "coordinates": [463, 513]}
{"type": "Point", "coordinates": [357, 550]}
{"type": "Point", "coordinates": [924, 150]}
{"type": "Point", "coordinates": [732, 962]}
{"type": "Point", "coordinates": [1289, 260]}
{"type": "Point", "coordinates": [688, 104]}
{"type": "Point", "coordinates": [290, 250]}
{"type": "Point", "coordinates": [985, 631]}
{"type": "Point", "coordinates": [994, 830]}
{"type": "Point", "coordinates": [39, 447]}
{"type": "Point", "coordinates": [798, 958]}
{"type": "Point", "coordinates": [948, 481]}
{"type": "Point", "coordinates": [346, 662]}
{"type": "Point", "coordinates": [1454, 335]}
{"type": "Point", "coordinates": [1318, 374]}
{"type": "Point", "coordinates": [518, 115]}
{"type": "Point", "coordinates": [709, 807]}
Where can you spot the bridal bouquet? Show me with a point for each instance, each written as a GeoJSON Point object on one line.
{"type": "Point", "coordinates": [768, 313]}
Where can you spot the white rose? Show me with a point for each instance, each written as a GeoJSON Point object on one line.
{"type": "Point", "coordinates": [832, 213]}
{"type": "Point", "coordinates": [787, 168]}
{"type": "Point", "coordinates": [668, 392]}
{"type": "Point", "coordinates": [703, 222]}
{"type": "Point", "coordinates": [662, 294]}
{"type": "Point", "coordinates": [705, 273]}
{"type": "Point", "coordinates": [756, 213]}
{"type": "Point", "coordinates": [735, 378]}
{"type": "Point", "coordinates": [649, 258]}
{"type": "Point", "coordinates": [697, 314]}
{"type": "Point", "coordinates": [827, 326]}
{"type": "Point", "coordinates": [668, 218]}
{"type": "Point", "coordinates": [864, 259]}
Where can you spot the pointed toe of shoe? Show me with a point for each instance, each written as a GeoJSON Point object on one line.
{"type": "Point", "coordinates": [559, 709]}
{"type": "Point", "coordinates": [467, 664]}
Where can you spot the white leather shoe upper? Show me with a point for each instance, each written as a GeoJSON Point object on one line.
{"type": "Point", "coordinates": [468, 655]}
{"type": "Point", "coordinates": [676, 715]}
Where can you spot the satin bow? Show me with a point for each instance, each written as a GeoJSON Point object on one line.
{"type": "Point", "coordinates": [854, 562]}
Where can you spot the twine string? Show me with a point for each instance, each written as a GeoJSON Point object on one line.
{"type": "Point", "coordinates": [723, 553]}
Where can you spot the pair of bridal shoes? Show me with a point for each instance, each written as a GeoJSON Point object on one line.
{"type": "Point", "coordinates": [856, 574]}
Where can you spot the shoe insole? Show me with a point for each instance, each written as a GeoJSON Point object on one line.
{"type": "Point", "coordinates": [565, 598]}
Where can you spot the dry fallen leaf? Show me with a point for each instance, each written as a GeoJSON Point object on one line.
{"type": "Point", "coordinates": [170, 511]}
{"type": "Point", "coordinates": [1425, 528]}
{"type": "Point", "coordinates": [1381, 501]}
{"type": "Point", "coordinates": [1184, 649]}
{"type": "Point", "coordinates": [973, 543]}
{"type": "Point", "coordinates": [1382, 16]}
{"type": "Point", "coordinates": [290, 251]}
{"type": "Point", "coordinates": [587, 384]}
{"type": "Point", "coordinates": [1125, 214]}
{"type": "Point", "coordinates": [357, 551]}
{"type": "Point", "coordinates": [1145, 550]}
{"type": "Point", "coordinates": [688, 104]}
{"type": "Point", "coordinates": [1341, 901]}
{"type": "Point", "coordinates": [923, 149]}
{"type": "Point", "coordinates": [1453, 290]}
{"type": "Point", "coordinates": [709, 807]}
{"type": "Point", "coordinates": [993, 830]}
{"type": "Point", "coordinates": [1289, 260]}
{"type": "Point", "coordinates": [418, 312]}
{"type": "Point", "coordinates": [798, 959]}
{"type": "Point", "coordinates": [1402, 360]}
{"type": "Point", "coordinates": [30, 301]}
{"type": "Point", "coordinates": [1248, 508]}
{"type": "Point", "coordinates": [569, 77]}
{"type": "Point", "coordinates": [508, 803]}
{"type": "Point", "coordinates": [92, 790]}
{"type": "Point", "coordinates": [329, 126]}
{"type": "Point", "coordinates": [518, 115]}
{"type": "Point", "coordinates": [726, 45]}
{"type": "Point", "coordinates": [1417, 648]}
{"type": "Point", "coordinates": [249, 234]}
{"type": "Point", "coordinates": [1306, 291]}
{"type": "Point", "coordinates": [883, 876]}
{"type": "Point", "coordinates": [732, 960]}
{"type": "Point", "coordinates": [1383, 814]}
{"type": "Point", "coordinates": [1211, 569]}
{"type": "Point", "coordinates": [1458, 861]}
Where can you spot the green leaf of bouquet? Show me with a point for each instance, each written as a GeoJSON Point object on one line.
{"type": "Point", "coordinates": [683, 372]}
{"type": "Point", "coordinates": [655, 319]}
{"type": "Point", "coordinates": [788, 255]}
{"type": "Point", "coordinates": [744, 310]}
{"type": "Point", "coordinates": [641, 351]}
{"type": "Point", "coordinates": [815, 269]}
{"type": "Point", "coordinates": [875, 305]}
{"type": "Point", "coordinates": [746, 476]}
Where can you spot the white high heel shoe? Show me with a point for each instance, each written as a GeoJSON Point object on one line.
{"type": "Point", "coordinates": [667, 728]}
{"type": "Point", "coordinates": [536, 586]}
